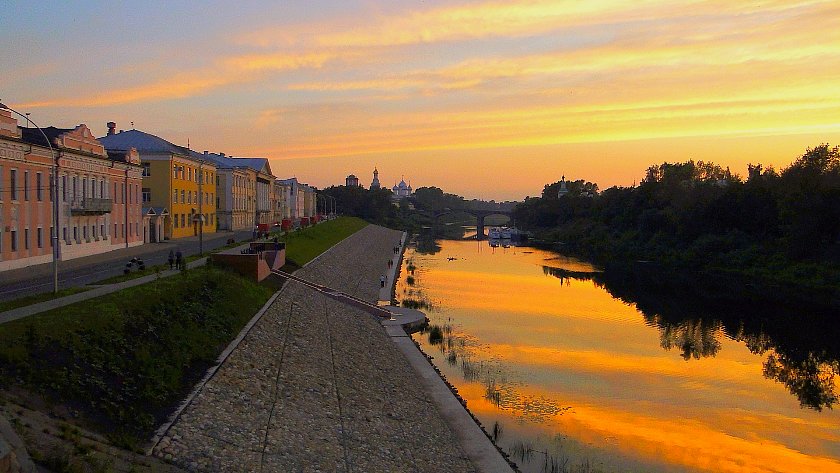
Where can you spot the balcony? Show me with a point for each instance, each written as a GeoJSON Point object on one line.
{"type": "Point", "coordinates": [90, 206]}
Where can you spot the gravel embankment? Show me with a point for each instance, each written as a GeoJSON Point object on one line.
{"type": "Point", "coordinates": [318, 386]}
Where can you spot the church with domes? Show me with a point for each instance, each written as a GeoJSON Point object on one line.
{"type": "Point", "coordinates": [401, 190]}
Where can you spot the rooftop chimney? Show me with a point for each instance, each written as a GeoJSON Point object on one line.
{"type": "Point", "coordinates": [112, 127]}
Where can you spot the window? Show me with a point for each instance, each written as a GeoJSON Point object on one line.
{"type": "Point", "coordinates": [136, 193]}
{"type": "Point", "coordinates": [189, 197]}
{"type": "Point", "coordinates": [174, 172]}
{"type": "Point", "coordinates": [122, 227]}
{"type": "Point", "coordinates": [102, 188]}
{"type": "Point", "coordinates": [115, 231]}
{"type": "Point", "coordinates": [64, 188]}
{"type": "Point", "coordinates": [40, 236]}
{"type": "Point", "coordinates": [147, 169]}
{"type": "Point", "coordinates": [175, 220]}
{"type": "Point", "coordinates": [76, 234]}
{"type": "Point", "coordinates": [84, 188]}
{"type": "Point", "coordinates": [102, 231]}
{"type": "Point", "coordinates": [13, 184]}
{"type": "Point", "coordinates": [93, 231]}
{"type": "Point", "coordinates": [14, 240]}
{"type": "Point", "coordinates": [183, 196]}
{"type": "Point", "coordinates": [25, 185]}
{"type": "Point", "coordinates": [39, 195]}
{"type": "Point", "coordinates": [147, 195]}
{"type": "Point", "coordinates": [52, 236]}
{"type": "Point", "coordinates": [115, 193]}
{"type": "Point", "coordinates": [26, 239]}
{"type": "Point", "coordinates": [84, 232]}
{"type": "Point", "coordinates": [183, 220]}
{"type": "Point", "coordinates": [122, 193]}
{"type": "Point", "coordinates": [64, 234]}
{"type": "Point", "coordinates": [174, 196]}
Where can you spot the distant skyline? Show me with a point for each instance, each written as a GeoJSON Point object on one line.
{"type": "Point", "coordinates": [486, 99]}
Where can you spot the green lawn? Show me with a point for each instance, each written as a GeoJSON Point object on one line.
{"type": "Point", "coordinates": [125, 359]}
{"type": "Point", "coordinates": [304, 245]}
{"type": "Point", "coordinates": [29, 300]}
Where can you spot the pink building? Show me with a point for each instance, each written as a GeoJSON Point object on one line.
{"type": "Point", "coordinates": [99, 196]}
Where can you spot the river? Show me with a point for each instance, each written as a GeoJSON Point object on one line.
{"type": "Point", "coordinates": [575, 372]}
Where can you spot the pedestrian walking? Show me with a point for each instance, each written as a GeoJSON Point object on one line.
{"type": "Point", "coordinates": [179, 259]}
{"type": "Point", "coordinates": [171, 258]}
{"type": "Point", "coordinates": [382, 281]}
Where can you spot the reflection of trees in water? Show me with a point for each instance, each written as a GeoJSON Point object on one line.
{"type": "Point", "coordinates": [810, 379]}
{"type": "Point", "coordinates": [802, 356]}
{"type": "Point", "coordinates": [427, 239]}
{"type": "Point", "coordinates": [694, 338]}
{"type": "Point", "coordinates": [427, 245]}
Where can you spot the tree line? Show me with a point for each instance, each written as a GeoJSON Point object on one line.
{"type": "Point", "coordinates": [777, 227]}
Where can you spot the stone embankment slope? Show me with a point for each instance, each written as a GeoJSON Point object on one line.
{"type": "Point", "coordinates": [317, 386]}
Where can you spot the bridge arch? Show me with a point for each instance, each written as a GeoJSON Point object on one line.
{"type": "Point", "coordinates": [479, 214]}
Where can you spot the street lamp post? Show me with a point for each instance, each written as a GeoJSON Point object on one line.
{"type": "Point", "coordinates": [200, 214]}
{"type": "Point", "coordinates": [53, 193]}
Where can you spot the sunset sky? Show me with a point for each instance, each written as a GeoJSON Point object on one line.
{"type": "Point", "coordinates": [489, 99]}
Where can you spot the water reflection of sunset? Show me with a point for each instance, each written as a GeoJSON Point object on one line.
{"type": "Point", "coordinates": [621, 390]}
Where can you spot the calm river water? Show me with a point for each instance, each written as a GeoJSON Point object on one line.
{"type": "Point", "coordinates": [577, 379]}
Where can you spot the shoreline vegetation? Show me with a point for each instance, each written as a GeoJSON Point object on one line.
{"type": "Point", "coordinates": [120, 363]}
{"type": "Point", "coordinates": [774, 236]}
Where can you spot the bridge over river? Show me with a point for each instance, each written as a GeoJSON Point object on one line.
{"type": "Point", "coordinates": [480, 211]}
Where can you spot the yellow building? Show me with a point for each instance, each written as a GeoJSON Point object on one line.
{"type": "Point", "coordinates": [175, 179]}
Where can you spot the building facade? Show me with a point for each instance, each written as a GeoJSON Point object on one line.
{"type": "Point", "coordinates": [175, 179]}
{"type": "Point", "coordinates": [282, 197]}
{"type": "Point", "coordinates": [99, 196]}
{"type": "Point", "coordinates": [264, 193]}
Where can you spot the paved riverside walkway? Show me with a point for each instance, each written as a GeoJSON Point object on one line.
{"type": "Point", "coordinates": [317, 385]}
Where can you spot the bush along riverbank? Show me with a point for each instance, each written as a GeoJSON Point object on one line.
{"type": "Point", "coordinates": [772, 236]}
{"type": "Point", "coordinates": [121, 362]}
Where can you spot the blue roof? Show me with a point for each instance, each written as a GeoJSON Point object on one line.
{"type": "Point", "coordinates": [257, 164]}
{"type": "Point", "coordinates": [254, 163]}
{"type": "Point", "coordinates": [149, 143]}
{"type": "Point", "coordinates": [142, 141]}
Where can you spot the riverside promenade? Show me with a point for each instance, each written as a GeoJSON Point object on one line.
{"type": "Point", "coordinates": [317, 385]}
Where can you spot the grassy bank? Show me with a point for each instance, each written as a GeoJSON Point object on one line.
{"type": "Point", "coordinates": [304, 245]}
{"type": "Point", "coordinates": [122, 361]}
